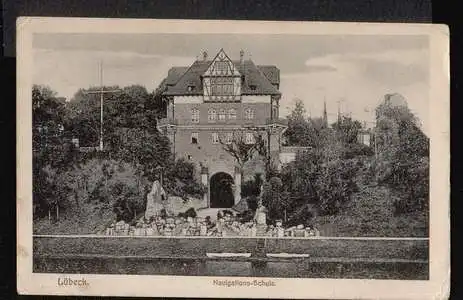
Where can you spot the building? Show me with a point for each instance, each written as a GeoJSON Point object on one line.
{"type": "Point", "coordinates": [364, 137]}
{"type": "Point", "coordinates": [215, 102]}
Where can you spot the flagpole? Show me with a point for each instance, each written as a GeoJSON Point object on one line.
{"type": "Point", "coordinates": [101, 106]}
{"type": "Point", "coordinates": [101, 92]}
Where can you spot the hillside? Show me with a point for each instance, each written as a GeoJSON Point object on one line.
{"type": "Point", "coordinates": [370, 213]}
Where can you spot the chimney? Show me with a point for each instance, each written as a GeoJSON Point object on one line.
{"type": "Point", "coordinates": [204, 55]}
{"type": "Point", "coordinates": [241, 56]}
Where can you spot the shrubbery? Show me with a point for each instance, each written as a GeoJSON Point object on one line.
{"type": "Point", "coordinates": [68, 183]}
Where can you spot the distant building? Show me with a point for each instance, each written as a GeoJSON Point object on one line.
{"type": "Point", "coordinates": [214, 101]}
{"type": "Point", "coordinates": [364, 137]}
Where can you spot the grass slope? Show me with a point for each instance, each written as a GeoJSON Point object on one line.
{"type": "Point", "coordinates": [370, 213]}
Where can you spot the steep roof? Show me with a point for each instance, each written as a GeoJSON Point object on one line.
{"type": "Point", "coordinates": [272, 73]}
{"type": "Point", "coordinates": [263, 78]}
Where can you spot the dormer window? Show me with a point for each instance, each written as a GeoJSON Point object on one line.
{"type": "Point", "coordinates": [253, 87]}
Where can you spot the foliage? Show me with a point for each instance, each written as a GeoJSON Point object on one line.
{"type": "Point", "coordinates": [252, 187]}
{"type": "Point", "coordinates": [147, 151]}
{"type": "Point", "coordinates": [181, 180]}
{"type": "Point", "coordinates": [275, 198]}
{"type": "Point", "coordinates": [52, 151]}
{"type": "Point", "coordinates": [129, 107]}
{"type": "Point", "coordinates": [347, 129]}
{"type": "Point", "coordinates": [317, 178]}
{"type": "Point", "coordinates": [403, 159]}
{"type": "Point", "coordinates": [240, 149]}
{"type": "Point", "coordinates": [353, 150]}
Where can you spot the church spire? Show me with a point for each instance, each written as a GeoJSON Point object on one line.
{"type": "Point", "coordinates": [325, 114]}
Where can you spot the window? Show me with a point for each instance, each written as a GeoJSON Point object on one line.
{"type": "Point", "coordinates": [222, 115]}
{"type": "Point", "coordinates": [232, 114]}
{"type": "Point", "coordinates": [189, 157]}
{"type": "Point", "coordinates": [249, 138]}
{"type": "Point", "coordinates": [222, 86]}
{"type": "Point", "coordinates": [249, 114]}
{"type": "Point", "coordinates": [215, 138]}
{"type": "Point", "coordinates": [212, 115]}
{"type": "Point", "coordinates": [221, 67]}
{"type": "Point", "coordinates": [194, 138]}
{"type": "Point", "coordinates": [228, 137]}
{"type": "Point", "coordinates": [191, 88]}
{"type": "Point", "coordinates": [253, 87]}
{"type": "Point", "coordinates": [195, 115]}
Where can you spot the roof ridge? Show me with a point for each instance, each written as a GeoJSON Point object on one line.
{"type": "Point", "coordinates": [263, 75]}
{"type": "Point", "coordinates": [184, 73]}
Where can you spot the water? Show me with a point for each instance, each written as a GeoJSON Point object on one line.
{"type": "Point", "coordinates": [284, 268]}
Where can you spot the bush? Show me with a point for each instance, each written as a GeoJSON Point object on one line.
{"type": "Point", "coordinates": [354, 150]}
{"type": "Point", "coordinates": [251, 188]}
{"type": "Point", "coordinates": [274, 198]}
{"type": "Point", "coordinates": [252, 202]}
{"type": "Point", "coordinates": [180, 180]}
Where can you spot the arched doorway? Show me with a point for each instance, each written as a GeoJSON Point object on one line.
{"type": "Point", "coordinates": [221, 191]}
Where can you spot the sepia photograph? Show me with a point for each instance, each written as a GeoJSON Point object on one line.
{"type": "Point", "coordinates": [238, 153]}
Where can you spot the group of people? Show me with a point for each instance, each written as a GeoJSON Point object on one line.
{"type": "Point", "coordinates": [226, 225]}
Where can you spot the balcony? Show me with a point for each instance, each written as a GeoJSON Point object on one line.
{"type": "Point", "coordinates": [165, 122]}
{"type": "Point", "coordinates": [279, 121]}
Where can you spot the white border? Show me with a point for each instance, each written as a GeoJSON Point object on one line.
{"type": "Point", "coordinates": [178, 286]}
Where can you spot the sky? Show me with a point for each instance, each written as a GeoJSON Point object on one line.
{"type": "Point", "coordinates": [352, 72]}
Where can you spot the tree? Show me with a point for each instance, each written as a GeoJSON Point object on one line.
{"type": "Point", "coordinates": [317, 178]}
{"type": "Point", "coordinates": [181, 180]}
{"type": "Point", "coordinates": [83, 115]}
{"type": "Point", "coordinates": [347, 129]}
{"type": "Point", "coordinates": [52, 152]}
{"type": "Point", "coordinates": [275, 198]}
{"type": "Point", "coordinates": [299, 128]}
{"type": "Point", "coordinates": [144, 150]}
{"type": "Point", "coordinates": [241, 149]}
{"type": "Point", "coordinates": [403, 160]}
{"type": "Point", "coordinates": [132, 107]}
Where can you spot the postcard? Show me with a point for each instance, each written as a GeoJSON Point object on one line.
{"type": "Point", "coordinates": [238, 159]}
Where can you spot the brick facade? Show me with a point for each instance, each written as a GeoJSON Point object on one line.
{"type": "Point", "coordinates": [195, 116]}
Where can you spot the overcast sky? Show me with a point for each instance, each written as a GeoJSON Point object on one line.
{"type": "Point", "coordinates": [359, 70]}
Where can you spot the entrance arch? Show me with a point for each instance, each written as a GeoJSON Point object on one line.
{"type": "Point", "coordinates": [221, 191]}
